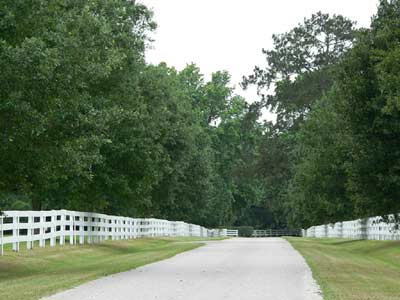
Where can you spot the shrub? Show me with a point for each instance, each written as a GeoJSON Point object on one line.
{"type": "Point", "coordinates": [245, 231]}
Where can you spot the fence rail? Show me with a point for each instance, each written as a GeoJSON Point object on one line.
{"type": "Point", "coordinates": [35, 228]}
{"type": "Point", "coordinates": [374, 228]}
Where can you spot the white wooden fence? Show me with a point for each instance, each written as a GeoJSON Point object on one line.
{"type": "Point", "coordinates": [41, 228]}
{"type": "Point", "coordinates": [371, 228]}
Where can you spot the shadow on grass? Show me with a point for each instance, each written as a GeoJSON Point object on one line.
{"type": "Point", "coordinates": [120, 249]}
{"type": "Point", "coordinates": [10, 270]}
{"type": "Point", "coordinates": [382, 247]}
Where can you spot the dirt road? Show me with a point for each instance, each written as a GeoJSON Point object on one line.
{"type": "Point", "coordinates": [245, 269]}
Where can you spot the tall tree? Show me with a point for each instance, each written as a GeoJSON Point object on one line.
{"type": "Point", "coordinates": [369, 101]}
{"type": "Point", "coordinates": [299, 71]}
{"type": "Point", "coordinates": [317, 191]}
{"type": "Point", "coordinates": [61, 63]}
{"type": "Point", "coordinates": [298, 66]}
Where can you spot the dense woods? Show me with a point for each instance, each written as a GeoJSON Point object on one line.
{"type": "Point", "coordinates": [87, 124]}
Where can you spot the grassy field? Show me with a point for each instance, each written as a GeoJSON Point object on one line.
{"type": "Point", "coordinates": [353, 270]}
{"type": "Point", "coordinates": [30, 275]}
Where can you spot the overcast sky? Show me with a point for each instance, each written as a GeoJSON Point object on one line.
{"type": "Point", "coordinates": [229, 34]}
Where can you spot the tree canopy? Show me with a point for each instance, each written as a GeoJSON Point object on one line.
{"type": "Point", "coordinates": [87, 124]}
{"type": "Point", "coordinates": [333, 154]}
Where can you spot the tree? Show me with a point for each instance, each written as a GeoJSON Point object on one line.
{"type": "Point", "coordinates": [274, 166]}
{"type": "Point", "coordinates": [317, 191]}
{"type": "Point", "coordinates": [299, 66]}
{"type": "Point", "coordinates": [348, 148]}
{"type": "Point", "coordinates": [58, 79]}
{"type": "Point", "coordinates": [184, 191]}
{"type": "Point", "coordinates": [300, 70]}
{"type": "Point", "coordinates": [368, 82]}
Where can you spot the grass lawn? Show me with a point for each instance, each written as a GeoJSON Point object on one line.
{"type": "Point", "coordinates": [30, 275]}
{"type": "Point", "coordinates": [353, 270]}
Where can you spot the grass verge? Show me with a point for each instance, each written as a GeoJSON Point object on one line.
{"type": "Point", "coordinates": [30, 275]}
{"type": "Point", "coordinates": [353, 269]}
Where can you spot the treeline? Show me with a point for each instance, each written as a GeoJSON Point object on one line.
{"type": "Point", "coordinates": [86, 124]}
{"type": "Point", "coordinates": [334, 152]}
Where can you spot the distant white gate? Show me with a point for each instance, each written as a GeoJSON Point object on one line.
{"type": "Point", "coordinates": [232, 233]}
{"type": "Point", "coordinates": [275, 232]}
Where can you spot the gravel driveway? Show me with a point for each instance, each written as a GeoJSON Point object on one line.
{"type": "Point", "coordinates": [245, 269]}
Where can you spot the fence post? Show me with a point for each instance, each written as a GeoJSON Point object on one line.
{"type": "Point", "coordinates": [29, 242]}
{"type": "Point", "coordinates": [71, 229]}
{"type": "Point", "coordinates": [42, 242]}
{"type": "Point", "coordinates": [15, 234]}
{"type": "Point", "coordinates": [53, 230]}
{"type": "Point", "coordinates": [62, 228]}
{"type": "Point", "coordinates": [81, 232]}
{"type": "Point", "coordinates": [363, 228]}
{"type": "Point", "coordinates": [113, 229]}
{"type": "Point", "coordinates": [89, 229]}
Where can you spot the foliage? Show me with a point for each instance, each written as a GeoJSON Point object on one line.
{"type": "Point", "coordinates": [317, 191]}
{"type": "Point", "coordinates": [245, 231]}
{"type": "Point", "coordinates": [87, 124]}
{"type": "Point", "coordinates": [299, 66]}
{"type": "Point", "coordinates": [368, 82]}
{"type": "Point", "coordinates": [300, 70]}
{"type": "Point", "coordinates": [59, 79]}
{"type": "Point", "coordinates": [334, 152]}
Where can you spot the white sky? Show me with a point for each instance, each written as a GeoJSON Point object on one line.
{"type": "Point", "coordinates": [229, 34]}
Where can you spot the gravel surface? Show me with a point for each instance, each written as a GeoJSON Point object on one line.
{"type": "Point", "coordinates": [245, 269]}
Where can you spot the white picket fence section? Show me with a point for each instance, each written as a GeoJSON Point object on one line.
{"type": "Point", "coordinates": [35, 228]}
{"type": "Point", "coordinates": [371, 228]}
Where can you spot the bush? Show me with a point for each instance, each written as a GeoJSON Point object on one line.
{"type": "Point", "coordinates": [9, 201]}
{"type": "Point", "coordinates": [245, 231]}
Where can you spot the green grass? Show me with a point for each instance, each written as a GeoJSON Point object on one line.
{"type": "Point", "coordinates": [353, 270]}
{"type": "Point", "coordinates": [32, 274]}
